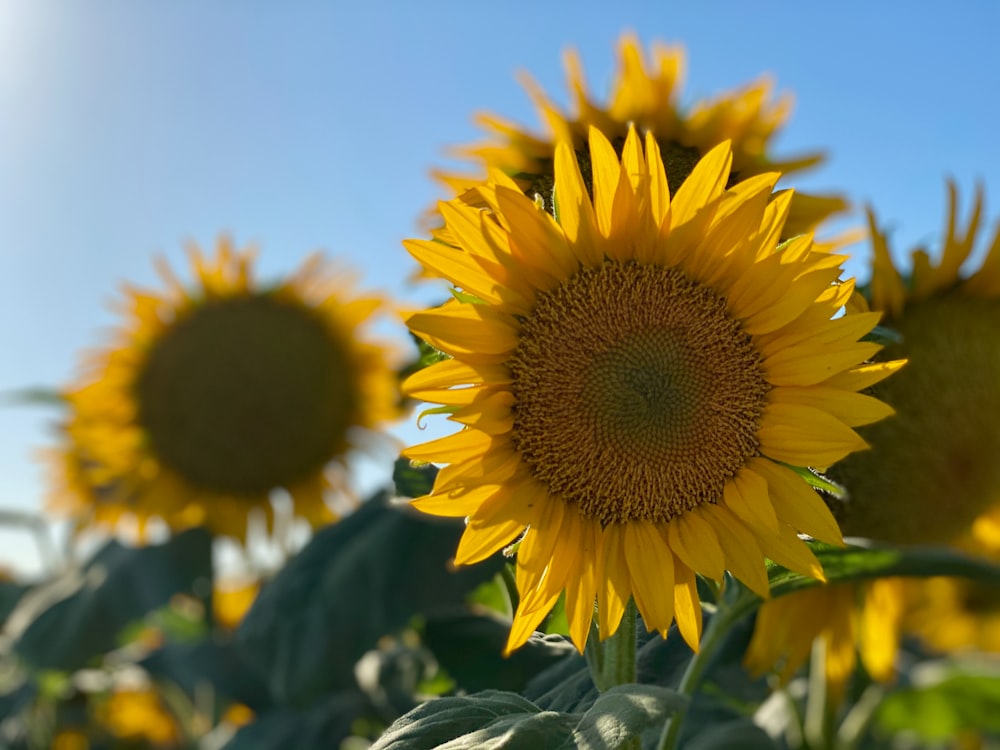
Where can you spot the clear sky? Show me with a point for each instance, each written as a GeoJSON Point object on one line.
{"type": "Point", "coordinates": [128, 127]}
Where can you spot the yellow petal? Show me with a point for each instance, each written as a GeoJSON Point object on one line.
{"type": "Point", "coordinates": [581, 587]}
{"type": "Point", "coordinates": [812, 363]}
{"type": "Point", "coordinates": [705, 183]}
{"type": "Point", "coordinates": [605, 169]}
{"type": "Point", "coordinates": [785, 548]}
{"type": "Point", "coordinates": [456, 448]}
{"type": "Point", "coordinates": [614, 588]}
{"type": "Point", "coordinates": [473, 332]}
{"type": "Point", "coordinates": [452, 372]}
{"type": "Point", "coordinates": [651, 566]}
{"type": "Point", "coordinates": [574, 208]}
{"type": "Point", "coordinates": [864, 376]}
{"type": "Point", "coordinates": [798, 504]}
{"type": "Point", "coordinates": [805, 436]}
{"type": "Point", "coordinates": [853, 409]}
{"type": "Point", "coordinates": [747, 497]}
{"type": "Point", "coordinates": [479, 542]}
{"type": "Point", "coordinates": [695, 543]}
{"type": "Point", "coordinates": [687, 605]}
{"type": "Point", "coordinates": [744, 558]}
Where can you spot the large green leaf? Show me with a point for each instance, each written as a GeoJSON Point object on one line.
{"type": "Point", "coordinates": [66, 623]}
{"type": "Point", "coordinates": [436, 722]}
{"type": "Point", "coordinates": [622, 712]}
{"type": "Point", "coordinates": [469, 646]}
{"type": "Point", "coordinates": [355, 581]}
{"type": "Point", "coordinates": [494, 719]}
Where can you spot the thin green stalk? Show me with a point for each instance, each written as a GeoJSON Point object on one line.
{"type": "Point", "coordinates": [816, 726]}
{"type": "Point", "coordinates": [855, 724]}
{"type": "Point", "coordinates": [612, 662]}
{"type": "Point", "coordinates": [726, 614]}
{"type": "Point", "coordinates": [510, 588]}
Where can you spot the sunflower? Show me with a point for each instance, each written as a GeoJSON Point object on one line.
{"type": "Point", "coordinates": [913, 487]}
{"type": "Point", "coordinates": [634, 379]}
{"type": "Point", "coordinates": [209, 398]}
{"type": "Point", "coordinates": [645, 94]}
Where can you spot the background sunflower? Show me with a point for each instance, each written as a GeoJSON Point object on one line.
{"type": "Point", "coordinates": [931, 478]}
{"type": "Point", "coordinates": [646, 93]}
{"type": "Point", "coordinates": [212, 396]}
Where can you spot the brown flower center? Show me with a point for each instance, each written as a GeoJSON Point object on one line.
{"type": "Point", "coordinates": [933, 466]}
{"type": "Point", "coordinates": [246, 394]}
{"type": "Point", "coordinates": [637, 395]}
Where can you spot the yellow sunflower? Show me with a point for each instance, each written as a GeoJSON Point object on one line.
{"type": "Point", "coordinates": [138, 714]}
{"type": "Point", "coordinates": [932, 477]}
{"type": "Point", "coordinates": [634, 378]}
{"type": "Point", "coordinates": [211, 397]}
{"type": "Point", "coordinates": [645, 93]}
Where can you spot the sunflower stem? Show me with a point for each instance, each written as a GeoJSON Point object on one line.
{"type": "Point", "coordinates": [612, 662]}
{"type": "Point", "coordinates": [817, 725]}
{"type": "Point", "coordinates": [509, 587]}
{"type": "Point", "coordinates": [723, 618]}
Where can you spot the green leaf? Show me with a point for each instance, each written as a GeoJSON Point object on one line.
{"type": "Point", "coordinates": [622, 712]}
{"type": "Point", "coordinates": [491, 719]}
{"type": "Point", "coordinates": [818, 481]}
{"type": "Point", "coordinates": [469, 646]}
{"type": "Point", "coordinates": [884, 336]}
{"type": "Point", "coordinates": [33, 396]}
{"type": "Point", "coordinates": [413, 480]}
{"type": "Point", "coordinates": [66, 623]}
{"type": "Point", "coordinates": [355, 581]}
{"type": "Point", "coordinates": [947, 703]}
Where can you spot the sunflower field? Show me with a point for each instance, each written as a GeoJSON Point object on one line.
{"type": "Point", "coordinates": [688, 481]}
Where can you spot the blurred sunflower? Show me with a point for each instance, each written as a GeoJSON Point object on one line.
{"type": "Point", "coordinates": [912, 487]}
{"type": "Point", "coordinates": [209, 398]}
{"type": "Point", "coordinates": [645, 93]}
{"type": "Point", "coordinates": [634, 379]}
{"type": "Point", "coordinates": [137, 715]}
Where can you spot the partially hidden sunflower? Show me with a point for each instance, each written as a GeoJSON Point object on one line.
{"type": "Point", "coordinates": [645, 93]}
{"type": "Point", "coordinates": [635, 376]}
{"type": "Point", "coordinates": [932, 476]}
{"type": "Point", "coordinates": [211, 397]}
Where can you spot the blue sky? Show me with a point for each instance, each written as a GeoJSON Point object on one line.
{"type": "Point", "coordinates": [128, 127]}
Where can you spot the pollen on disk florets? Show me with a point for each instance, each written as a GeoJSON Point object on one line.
{"type": "Point", "coordinates": [637, 394]}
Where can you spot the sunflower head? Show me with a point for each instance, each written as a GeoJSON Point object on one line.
{"type": "Point", "coordinates": [636, 373]}
{"type": "Point", "coordinates": [645, 94]}
{"type": "Point", "coordinates": [933, 470]}
{"type": "Point", "coordinates": [212, 397]}
{"type": "Point", "coordinates": [931, 476]}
